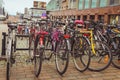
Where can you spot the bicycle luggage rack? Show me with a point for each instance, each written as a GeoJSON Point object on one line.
{"type": "Point", "coordinates": [3, 52]}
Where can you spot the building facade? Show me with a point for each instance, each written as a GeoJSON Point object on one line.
{"type": "Point", "coordinates": [53, 5]}
{"type": "Point", "coordinates": [106, 10]}
{"type": "Point", "coordinates": [39, 4]}
{"type": "Point", "coordinates": [3, 13]}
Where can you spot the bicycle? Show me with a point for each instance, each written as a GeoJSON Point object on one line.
{"type": "Point", "coordinates": [113, 40]}
{"type": "Point", "coordinates": [55, 45]}
{"type": "Point", "coordinates": [39, 47]}
{"type": "Point", "coordinates": [79, 50]}
{"type": "Point", "coordinates": [101, 56]}
{"type": "Point", "coordinates": [11, 48]}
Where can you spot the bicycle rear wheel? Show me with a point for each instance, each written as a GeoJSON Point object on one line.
{"type": "Point", "coordinates": [116, 53]}
{"type": "Point", "coordinates": [38, 56]}
{"type": "Point", "coordinates": [62, 56]}
{"type": "Point", "coordinates": [48, 48]}
{"type": "Point", "coordinates": [81, 54]}
{"type": "Point", "coordinates": [102, 57]}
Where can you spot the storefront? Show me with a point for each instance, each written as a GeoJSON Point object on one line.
{"type": "Point", "coordinates": [114, 19]}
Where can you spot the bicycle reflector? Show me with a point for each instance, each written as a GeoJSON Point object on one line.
{"type": "Point", "coordinates": [66, 36]}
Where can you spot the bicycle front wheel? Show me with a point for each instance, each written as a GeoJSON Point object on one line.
{"type": "Point", "coordinates": [31, 46]}
{"type": "Point", "coordinates": [101, 59]}
{"type": "Point", "coordinates": [81, 54]}
{"type": "Point", "coordinates": [10, 61]}
{"type": "Point", "coordinates": [8, 71]}
{"type": "Point", "coordinates": [38, 54]}
{"type": "Point", "coordinates": [116, 53]}
{"type": "Point", "coordinates": [62, 56]}
{"type": "Point", "coordinates": [48, 48]}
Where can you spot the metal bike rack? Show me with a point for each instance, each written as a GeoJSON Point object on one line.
{"type": "Point", "coordinates": [19, 35]}
{"type": "Point", "coordinates": [3, 53]}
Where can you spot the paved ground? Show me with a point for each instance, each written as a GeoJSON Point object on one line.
{"type": "Point", "coordinates": [24, 71]}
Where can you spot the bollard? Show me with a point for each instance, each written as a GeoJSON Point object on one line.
{"type": "Point", "coordinates": [3, 44]}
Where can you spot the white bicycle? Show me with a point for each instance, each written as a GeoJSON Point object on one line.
{"type": "Point", "coordinates": [10, 48]}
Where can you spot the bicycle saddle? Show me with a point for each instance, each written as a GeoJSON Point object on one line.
{"type": "Point", "coordinates": [79, 22]}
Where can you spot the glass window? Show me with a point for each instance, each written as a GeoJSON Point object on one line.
{"type": "Point", "coordinates": [80, 4]}
{"type": "Point", "coordinates": [87, 4]}
{"type": "Point", "coordinates": [94, 3]}
{"type": "Point", "coordinates": [114, 2]}
{"type": "Point", "coordinates": [74, 0]}
{"type": "Point", "coordinates": [103, 3]}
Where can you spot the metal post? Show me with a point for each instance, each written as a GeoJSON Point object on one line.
{"type": "Point", "coordinates": [3, 44]}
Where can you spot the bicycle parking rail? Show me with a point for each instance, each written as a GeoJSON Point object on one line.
{"type": "Point", "coordinates": [4, 36]}
{"type": "Point", "coordinates": [3, 43]}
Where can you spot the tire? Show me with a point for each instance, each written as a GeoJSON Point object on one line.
{"type": "Point", "coordinates": [103, 57]}
{"type": "Point", "coordinates": [116, 53]}
{"type": "Point", "coordinates": [48, 48]}
{"type": "Point", "coordinates": [10, 61]}
{"type": "Point", "coordinates": [116, 61]}
{"type": "Point", "coordinates": [38, 56]}
{"type": "Point", "coordinates": [31, 47]}
{"type": "Point", "coordinates": [8, 71]}
{"type": "Point", "coordinates": [62, 56]}
{"type": "Point", "coordinates": [81, 54]}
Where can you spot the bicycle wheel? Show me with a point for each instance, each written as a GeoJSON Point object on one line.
{"type": "Point", "coordinates": [8, 71]}
{"type": "Point", "coordinates": [10, 60]}
{"type": "Point", "coordinates": [116, 61]}
{"type": "Point", "coordinates": [38, 54]}
{"type": "Point", "coordinates": [116, 53]}
{"type": "Point", "coordinates": [31, 46]}
{"type": "Point", "coordinates": [48, 48]}
{"type": "Point", "coordinates": [102, 57]}
{"type": "Point", "coordinates": [81, 54]}
{"type": "Point", "coordinates": [62, 56]}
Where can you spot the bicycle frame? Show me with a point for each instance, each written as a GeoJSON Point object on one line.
{"type": "Point", "coordinates": [41, 37]}
{"type": "Point", "coordinates": [91, 43]}
{"type": "Point", "coordinates": [11, 38]}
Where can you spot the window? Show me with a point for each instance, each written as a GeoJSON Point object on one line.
{"type": "Point", "coordinates": [114, 2]}
{"type": "Point", "coordinates": [63, 0]}
{"type": "Point", "coordinates": [94, 4]}
{"type": "Point", "coordinates": [80, 4]}
{"type": "Point", "coordinates": [72, 4]}
{"type": "Point", "coordinates": [85, 17]}
{"type": "Point", "coordinates": [87, 4]}
{"type": "Point", "coordinates": [103, 3]}
{"type": "Point", "coordinates": [74, 0]}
